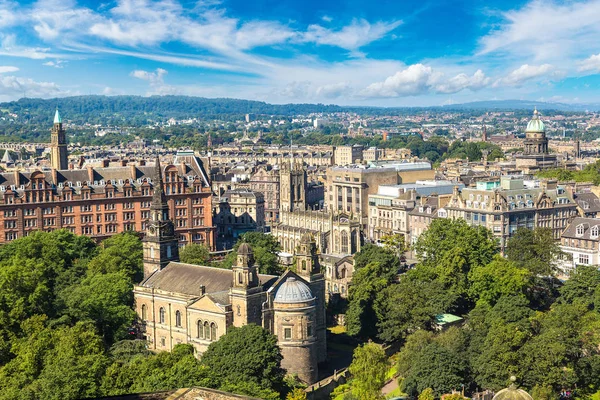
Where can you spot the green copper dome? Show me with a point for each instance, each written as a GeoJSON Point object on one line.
{"type": "Point", "coordinates": [57, 118]}
{"type": "Point", "coordinates": [535, 125]}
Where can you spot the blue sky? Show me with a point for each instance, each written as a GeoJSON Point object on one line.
{"type": "Point", "coordinates": [388, 52]}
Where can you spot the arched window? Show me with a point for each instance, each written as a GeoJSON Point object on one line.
{"type": "Point", "coordinates": [303, 265]}
{"type": "Point", "coordinates": [344, 240]}
{"type": "Point", "coordinates": [595, 232]}
{"type": "Point", "coordinates": [343, 273]}
{"type": "Point", "coordinates": [177, 318]}
{"type": "Point", "coordinates": [579, 229]}
{"type": "Point", "coordinates": [213, 331]}
{"type": "Point", "coordinates": [143, 312]}
{"type": "Point", "coordinates": [206, 331]}
{"type": "Point", "coordinates": [161, 315]}
{"type": "Point", "coordinates": [200, 328]}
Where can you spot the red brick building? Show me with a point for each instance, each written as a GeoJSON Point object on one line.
{"type": "Point", "coordinates": [100, 202]}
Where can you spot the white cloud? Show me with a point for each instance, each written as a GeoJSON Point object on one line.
{"type": "Point", "coordinates": [12, 87]}
{"type": "Point", "coordinates": [525, 73]}
{"type": "Point", "coordinates": [334, 90]}
{"type": "Point", "coordinates": [262, 33]}
{"type": "Point", "coordinates": [155, 78]}
{"type": "Point", "coordinates": [546, 30]}
{"type": "Point", "coordinates": [591, 64]}
{"type": "Point", "coordinates": [351, 37]}
{"type": "Point", "coordinates": [462, 81]}
{"type": "Point", "coordinates": [4, 69]}
{"type": "Point", "coordinates": [9, 47]}
{"type": "Point", "coordinates": [414, 80]}
{"type": "Point", "coordinates": [55, 64]}
{"type": "Point", "coordinates": [419, 79]}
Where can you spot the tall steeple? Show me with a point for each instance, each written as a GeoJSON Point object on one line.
{"type": "Point", "coordinates": [58, 144]}
{"type": "Point", "coordinates": [160, 243]}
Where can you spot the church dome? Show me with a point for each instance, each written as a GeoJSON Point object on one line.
{"type": "Point", "coordinates": [512, 393]}
{"type": "Point", "coordinates": [244, 249]}
{"type": "Point", "coordinates": [535, 125]}
{"type": "Point", "coordinates": [293, 291]}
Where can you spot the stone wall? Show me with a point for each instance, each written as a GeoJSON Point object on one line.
{"type": "Point", "coordinates": [323, 389]}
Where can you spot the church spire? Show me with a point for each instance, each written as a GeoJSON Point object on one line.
{"type": "Point", "coordinates": [159, 200]}
{"type": "Point", "coordinates": [57, 118]}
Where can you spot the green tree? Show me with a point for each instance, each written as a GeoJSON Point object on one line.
{"type": "Point", "coordinates": [426, 394]}
{"type": "Point", "coordinates": [582, 286]}
{"type": "Point", "coordinates": [437, 368]}
{"type": "Point", "coordinates": [368, 369]}
{"type": "Point", "coordinates": [477, 244]}
{"type": "Point", "coordinates": [370, 253]}
{"type": "Point", "coordinates": [121, 252]}
{"type": "Point", "coordinates": [141, 372]}
{"type": "Point", "coordinates": [367, 282]}
{"type": "Point", "coordinates": [104, 299]}
{"type": "Point", "coordinates": [246, 359]}
{"type": "Point", "coordinates": [535, 250]}
{"type": "Point", "coordinates": [195, 254]}
{"type": "Point", "coordinates": [498, 278]}
{"type": "Point", "coordinates": [395, 243]}
{"type": "Point", "coordinates": [296, 394]}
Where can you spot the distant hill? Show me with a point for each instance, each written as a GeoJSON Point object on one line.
{"type": "Point", "coordinates": [522, 105]}
{"type": "Point", "coordinates": [140, 110]}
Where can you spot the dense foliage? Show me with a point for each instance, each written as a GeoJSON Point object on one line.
{"type": "Point", "coordinates": [590, 173]}
{"type": "Point", "coordinates": [518, 319]}
{"type": "Point", "coordinates": [66, 312]}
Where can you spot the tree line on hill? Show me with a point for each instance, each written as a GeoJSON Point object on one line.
{"type": "Point", "coordinates": [518, 318]}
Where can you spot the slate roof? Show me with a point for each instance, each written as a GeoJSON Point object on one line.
{"type": "Point", "coordinates": [188, 278]}
{"type": "Point", "coordinates": [588, 224]}
{"type": "Point", "coordinates": [589, 202]}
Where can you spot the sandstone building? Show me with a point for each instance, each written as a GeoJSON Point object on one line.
{"type": "Point", "coordinates": [184, 303]}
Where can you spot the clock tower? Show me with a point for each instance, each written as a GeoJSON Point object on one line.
{"type": "Point", "coordinates": [160, 243]}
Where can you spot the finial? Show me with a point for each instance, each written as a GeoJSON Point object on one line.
{"type": "Point", "coordinates": [513, 378]}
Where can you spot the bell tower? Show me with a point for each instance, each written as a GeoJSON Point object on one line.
{"type": "Point", "coordinates": [160, 244]}
{"type": "Point", "coordinates": [292, 180]}
{"type": "Point", "coordinates": [246, 295]}
{"type": "Point", "coordinates": [307, 259]}
{"type": "Point", "coordinates": [58, 144]}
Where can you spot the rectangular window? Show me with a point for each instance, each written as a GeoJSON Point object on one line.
{"type": "Point", "coordinates": [287, 333]}
{"type": "Point", "coordinates": [584, 259]}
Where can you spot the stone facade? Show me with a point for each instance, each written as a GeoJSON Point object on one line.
{"type": "Point", "coordinates": [183, 303]}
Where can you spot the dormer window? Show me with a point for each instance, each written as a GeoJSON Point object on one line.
{"type": "Point", "coordinates": [594, 232]}
{"type": "Point", "coordinates": [579, 230]}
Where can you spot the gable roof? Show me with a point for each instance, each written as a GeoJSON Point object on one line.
{"type": "Point", "coordinates": [188, 279]}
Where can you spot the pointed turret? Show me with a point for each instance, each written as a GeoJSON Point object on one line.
{"type": "Point", "coordinates": [159, 199]}
{"type": "Point", "coordinates": [58, 144]}
{"type": "Point", "coordinates": [57, 118]}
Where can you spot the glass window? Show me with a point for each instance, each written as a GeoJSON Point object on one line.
{"type": "Point", "coordinates": [161, 316]}
{"type": "Point", "coordinates": [287, 333]}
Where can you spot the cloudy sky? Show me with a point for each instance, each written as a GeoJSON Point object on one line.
{"type": "Point", "coordinates": [373, 52]}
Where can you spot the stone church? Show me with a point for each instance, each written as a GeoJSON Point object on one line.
{"type": "Point", "coordinates": [185, 303]}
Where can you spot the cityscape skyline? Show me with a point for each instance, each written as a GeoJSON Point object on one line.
{"type": "Point", "coordinates": [351, 53]}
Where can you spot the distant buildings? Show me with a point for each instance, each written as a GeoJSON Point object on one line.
{"type": "Point", "coordinates": [509, 203]}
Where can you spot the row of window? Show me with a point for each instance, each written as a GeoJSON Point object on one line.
{"type": "Point", "coordinates": [204, 329]}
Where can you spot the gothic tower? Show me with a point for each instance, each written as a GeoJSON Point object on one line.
{"type": "Point", "coordinates": [58, 145]}
{"type": "Point", "coordinates": [292, 181]}
{"type": "Point", "coordinates": [160, 243]}
{"type": "Point", "coordinates": [308, 268]}
{"type": "Point", "coordinates": [246, 294]}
